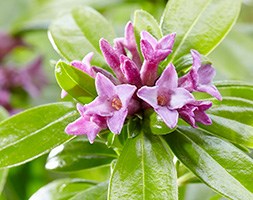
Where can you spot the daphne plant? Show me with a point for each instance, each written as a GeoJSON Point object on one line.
{"type": "Point", "coordinates": [135, 86]}
{"type": "Point", "coordinates": [148, 105]}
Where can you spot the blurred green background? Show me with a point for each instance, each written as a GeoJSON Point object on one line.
{"type": "Point", "coordinates": [233, 60]}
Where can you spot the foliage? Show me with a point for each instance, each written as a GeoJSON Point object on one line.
{"type": "Point", "coordinates": [142, 158]}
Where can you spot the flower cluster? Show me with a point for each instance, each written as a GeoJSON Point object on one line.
{"type": "Point", "coordinates": [30, 78]}
{"type": "Point", "coordinates": [137, 86]}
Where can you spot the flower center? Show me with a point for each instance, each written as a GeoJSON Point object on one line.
{"type": "Point", "coordinates": [162, 100]}
{"type": "Point", "coordinates": [116, 103]}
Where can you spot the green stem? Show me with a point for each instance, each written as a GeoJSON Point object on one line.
{"type": "Point", "coordinates": [186, 178]}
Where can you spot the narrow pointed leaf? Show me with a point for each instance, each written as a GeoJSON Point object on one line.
{"type": "Point", "coordinates": [68, 40]}
{"type": "Point", "coordinates": [199, 24]}
{"type": "Point", "coordinates": [75, 82]}
{"type": "Point", "coordinates": [216, 162]}
{"type": "Point", "coordinates": [93, 25]}
{"type": "Point", "coordinates": [143, 21]}
{"type": "Point", "coordinates": [98, 192]}
{"type": "Point", "coordinates": [62, 189]}
{"type": "Point", "coordinates": [79, 154]}
{"type": "Point", "coordinates": [144, 170]}
{"type": "Point", "coordinates": [232, 118]}
{"type": "Point", "coordinates": [34, 132]}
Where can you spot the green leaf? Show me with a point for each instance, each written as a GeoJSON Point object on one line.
{"type": "Point", "coordinates": [3, 114]}
{"type": "Point", "coordinates": [199, 24]}
{"type": "Point", "coordinates": [68, 40]}
{"type": "Point", "coordinates": [145, 21]}
{"type": "Point", "coordinates": [236, 50]}
{"type": "Point", "coordinates": [93, 25]}
{"type": "Point", "coordinates": [34, 132]}
{"type": "Point", "coordinates": [155, 124]}
{"type": "Point", "coordinates": [62, 189]}
{"type": "Point", "coordinates": [98, 192]}
{"type": "Point", "coordinates": [3, 178]}
{"type": "Point", "coordinates": [232, 118]}
{"type": "Point", "coordinates": [79, 154]}
{"type": "Point", "coordinates": [75, 82]}
{"type": "Point", "coordinates": [216, 162]}
{"type": "Point", "coordinates": [144, 170]}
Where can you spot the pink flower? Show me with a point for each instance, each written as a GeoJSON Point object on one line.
{"type": "Point", "coordinates": [89, 125]}
{"type": "Point", "coordinates": [154, 52]}
{"type": "Point", "coordinates": [112, 102]}
{"type": "Point", "coordinates": [195, 112]}
{"type": "Point", "coordinates": [166, 97]}
{"type": "Point", "coordinates": [200, 77]}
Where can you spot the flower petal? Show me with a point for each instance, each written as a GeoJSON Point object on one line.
{"type": "Point", "coordinates": [125, 93]}
{"type": "Point", "coordinates": [168, 78]}
{"type": "Point", "coordinates": [170, 117]}
{"type": "Point", "coordinates": [149, 38]}
{"type": "Point", "coordinates": [130, 70]}
{"type": "Point", "coordinates": [149, 95]}
{"type": "Point", "coordinates": [179, 98]}
{"type": "Point", "coordinates": [166, 42]}
{"type": "Point", "coordinates": [104, 86]}
{"type": "Point", "coordinates": [147, 50]}
{"type": "Point", "coordinates": [202, 117]}
{"type": "Point", "coordinates": [210, 89]}
{"type": "Point", "coordinates": [206, 74]}
{"type": "Point", "coordinates": [196, 63]}
{"type": "Point", "coordinates": [112, 58]}
{"type": "Point", "coordinates": [85, 65]}
{"type": "Point", "coordinates": [116, 122]}
{"type": "Point", "coordinates": [100, 106]}
{"type": "Point", "coordinates": [107, 74]}
{"type": "Point", "coordinates": [83, 126]}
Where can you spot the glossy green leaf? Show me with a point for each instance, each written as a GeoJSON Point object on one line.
{"type": "Point", "coordinates": [216, 162]}
{"type": "Point", "coordinates": [233, 117]}
{"type": "Point", "coordinates": [79, 154]}
{"type": "Point", "coordinates": [68, 40]}
{"type": "Point", "coordinates": [75, 82]}
{"type": "Point", "coordinates": [93, 25]}
{"type": "Point", "coordinates": [144, 170]}
{"type": "Point", "coordinates": [145, 21]}
{"type": "Point", "coordinates": [34, 132]}
{"type": "Point", "coordinates": [62, 189]}
{"type": "Point", "coordinates": [98, 192]}
{"type": "Point", "coordinates": [199, 24]}
{"type": "Point", "coordinates": [155, 124]}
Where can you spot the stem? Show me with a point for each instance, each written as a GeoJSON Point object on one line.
{"type": "Point", "coordinates": [186, 178]}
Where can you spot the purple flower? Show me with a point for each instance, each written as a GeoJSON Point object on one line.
{"type": "Point", "coordinates": [112, 102]}
{"type": "Point", "coordinates": [166, 97]}
{"type": "Point", "coordinates": [32, 78]}
{"type": "Point", "coordinates": [154, 52]}
{"type": "Point", "coordinates": [89, 125]}
{"type": "Point", "coordinates": [111, 56]}
{"type": "Point", "coordinates": [130, 71]}
{"type": "Point", "coordinates": [85, 65]}
{"type": "Point", "coordinates": [195, 112]}
{"type": "Point", "coordinates": [8, 43]}
{"type": "Point", "coordinates": [129, 42]}
{"type": "Point", "coordinates": [200, 77]}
